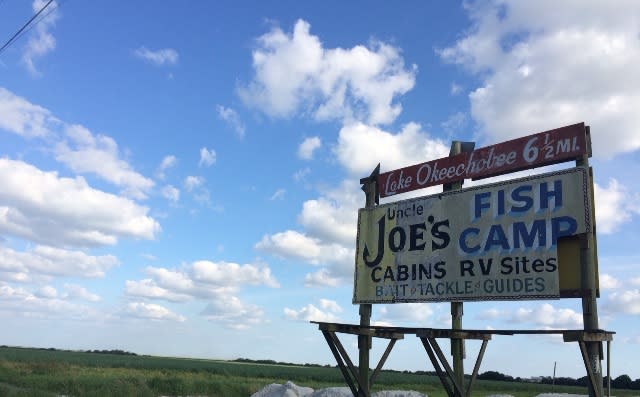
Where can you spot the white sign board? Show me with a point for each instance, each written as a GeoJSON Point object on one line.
{"type": "Point", "coordinates": [491, 242]}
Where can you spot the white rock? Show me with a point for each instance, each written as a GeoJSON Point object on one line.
{"type": "Point", "coordinates": [289, 389]}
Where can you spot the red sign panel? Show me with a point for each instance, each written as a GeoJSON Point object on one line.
{"type": "Point", "coordinates": [544, 148]}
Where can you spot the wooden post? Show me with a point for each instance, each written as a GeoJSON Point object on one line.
{"type": "Point", "coordinates": [370, 188]}
{"type": "Point", "coordinates": [589, 303]}
{"type": "Point", "coordinates": [457, 309]}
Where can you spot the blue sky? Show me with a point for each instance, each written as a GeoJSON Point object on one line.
{"type": "Point", "coordinates": [182, 179]}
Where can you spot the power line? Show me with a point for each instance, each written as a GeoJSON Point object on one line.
{"type": "Point", "coordinates": [15, 36]}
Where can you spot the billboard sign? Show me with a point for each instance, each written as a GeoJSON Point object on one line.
{"type": "Point", "coordinates": [544, 148]}
{"type": "Point", "coordinates": [496, 241]}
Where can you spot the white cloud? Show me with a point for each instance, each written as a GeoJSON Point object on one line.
{"type": "Point", "coordinates": [192, 182]}
{"type": "Point", "coordinates": [165, 56]}
{"type": "Point", "coordinates": [148, 288]}
{"type": "Point", "coordinates": [171, 193]}
{"type": "Point", "coordinates": [311, 313]}
{"type": "Point", "coordinates": [213, 282]}
{"type": "Point", "coordinates": [608, 282]}
{"type": "Point", "coordinates": [491, 314]}
{"type": "Point", "coordinates": [406, 312]}
{"type": "Point", "coordinates": [321, 278]}
{"type": "Point", "coordinates": [614, 206]}
{"type": "Point", "coordinates": [294, 71]}
{"type": "Point", "coordinates": [57, 262]}
{"type": "Point", "coordinates": [228, 274]}
{"type": "Point", "coordinates": [207, 157]}
{"type": "Point", "coordinates": [168, 161]}
{"type": "Point", "coordinates": [41, 41]}
{"type": "Point", "coordinates": [308, 147]}
{"type": "Point", "coordinates": [333, 217]}
{"type": "Point", "coordinates": [43, 207]}
{"type": "Point", "coordinates": [278, 195]}
{"type": "Point", "coordinates": [151, 311]}
{"type": "Point", "coordinates": [21, 117]}
{"type": "Point", "coordinates": [232, 118]}
{"type": "Point", "coordinates": [455, 123]}
{"type": "Point", "coordinates": [361, 147]}
{"type": "Point", "coordinates": [231, 312]}
{"type": "Point", "coordinates": [47, 292]}
{"type": "Point", "coordinates": [548, 316]}
{"type": "Point", "coordinates": [45, 304]}
{"type": "Point", "coordinates": [300, 175]}
{"type": "Point", "coordinates": [297, 246]}
{"type": "Point", "coordinates": [73, 291]}
{"type": "Point", "coordinates": [99, 155]}
{"type": "Point", "coordinates": [624, 302]}
{"type": "Point", "coordinates": [546, 64]}
{"type": "Point", "coordinates": [455, 89]}
{"type": "Point", "coordinates": [332, 306]}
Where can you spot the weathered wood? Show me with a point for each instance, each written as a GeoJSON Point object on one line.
{"type": "Point", "coordinates": [592, 377]}
{"type": "Point", "coordinates": [341, 365]}
{"type": "Point", "coordinates": [383, 359]}
{"type": "Point", "coordinates": [476, 367]}
{"type": "Point", "coordinates": [436, 365]}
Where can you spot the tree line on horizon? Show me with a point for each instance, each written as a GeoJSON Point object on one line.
{"type": "Point", "coordinates": [621, 382]}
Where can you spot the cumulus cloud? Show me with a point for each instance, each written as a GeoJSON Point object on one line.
{"type": "Point", "coordinates": [231, 312]}
{"type": "Point", "coordinates": [308, 147]}
{"type": "Point", "coordinates": [294, 71]}
{"type": "Point", "coordinates": [614, 206]}
{"type": "Point", "coordinates": [21, 117]}
{"type": "Point", "coordinates": [232, 118]}
{"type": "Point", "coordinates": [171, 193]}
{"type": "Point", "coordinates": [207, 157]}
{"type": "Point", "coordinates": [542, 69]}
{"type": "Point", "coordinates": [43, 304]}
{"type": "Point", "coordinates": [41, 41]}
{"type": "Point", "coordinates": [361, 147]}
{"type": "Point", "coordinates": [191, 182]}
{"type": "Point", "coordinates": [40, 206]}
{"type": "Point", "coordinates": [85, 152]}
{"type": "Point", "coordinates": [321, 278]}
{"type": "Point", "coordinates": [547, 316]}
{"type": "Point", "coordinates": [407, 312]}
{"type": "Point", "coordinates": [608, 282]}
{"type": "Point", "coordinates": [150, 311]}
{"type": "Point", "coordinates": [623, 302]}
{"type": "Point", "coordinates": [73, 291]}
{"type": "Point", "coordinates": [56, 262]}
{"type": "Point", "coordinates": [164, 56]}
{"type": "Point", "coordinates": [298, 246]}
{"type": "Point", "coordinates": [214, 282]}
{"type": "Point", "coordinates": [148, 288]}
{"type": "Point", "coordinates": [326, 313]}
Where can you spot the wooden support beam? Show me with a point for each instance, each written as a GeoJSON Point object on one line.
{"type": "Point", "coordinates": [341, 365]}
{"type": "Point", "coordinates": [436, 365]}
{"type": "Point", "coordinates": [592, 377]}
{"type": "Point", "coordinates": [383, 359]}
{"type": "Point", "coordinates": [476, 367]}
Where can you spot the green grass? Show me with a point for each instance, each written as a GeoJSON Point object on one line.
{"type": "Point", "coordinates": [38, 372]}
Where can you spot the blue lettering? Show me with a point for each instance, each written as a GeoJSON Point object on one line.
{"type": "Point", "coordinates": [546, 195]}
{"type": "Point", "coordinates": [496, 237]}
{"type": "Point", "coordinates": [562, 226]}
{"type": "Point", "coordinates": [527, 237]}
{"type": "Point", "coordinates": [463, 240]}
{"type": "Point", "coordinates": [481, 203]}
{"type": "Point", "coordinates": [518, 197]}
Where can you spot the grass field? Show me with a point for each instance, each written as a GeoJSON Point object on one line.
{"type": "Point", "coordinates": [41, 372]}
